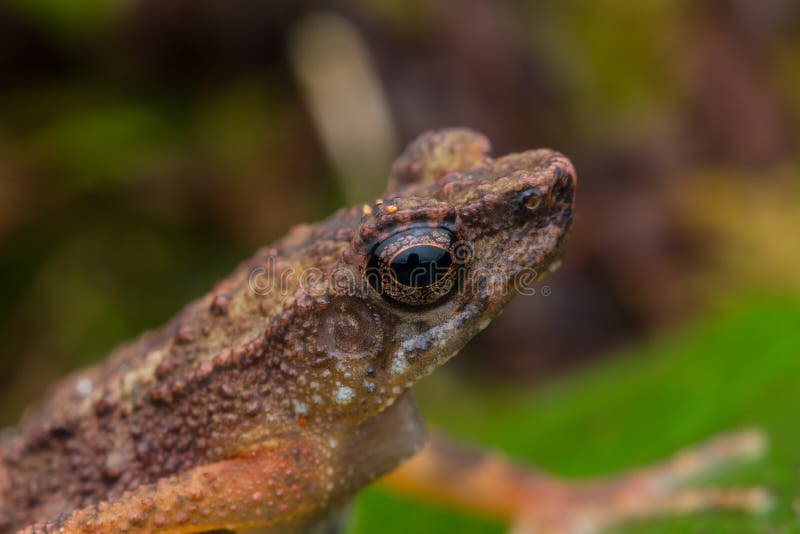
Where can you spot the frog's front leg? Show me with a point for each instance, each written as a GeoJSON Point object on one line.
{"type": "Point", "coordinates": [533, 502]}
{"type": "Point", "coordinates": [280, 486]}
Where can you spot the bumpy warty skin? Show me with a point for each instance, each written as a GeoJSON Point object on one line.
{"type": "Point", "coordinates": [292, 355]}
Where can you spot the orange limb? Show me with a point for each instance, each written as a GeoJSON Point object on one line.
{"type": "Point", "coordinates": [491, 485]}
{"type": "Point", "coordinates": [267, 488]}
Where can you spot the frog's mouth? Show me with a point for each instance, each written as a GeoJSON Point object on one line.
{"type": "Point", "coordinates": [418, 355]}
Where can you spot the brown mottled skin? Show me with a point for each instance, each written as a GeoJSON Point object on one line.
{"type": "Point", "coordinates": [274, 398]}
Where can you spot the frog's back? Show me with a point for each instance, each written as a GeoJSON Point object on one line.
{"type": "Point", "coordinates": [174, 398]}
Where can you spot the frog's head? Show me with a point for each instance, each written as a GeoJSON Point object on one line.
{"type": "Point", "coordinates": [454, 238]}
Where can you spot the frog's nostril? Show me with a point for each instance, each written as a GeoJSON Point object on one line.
{"type": "Point", "coordinates": [530, 200]}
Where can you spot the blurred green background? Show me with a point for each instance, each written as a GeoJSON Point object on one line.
{"type": "Point", "coordinates": [146, 146]}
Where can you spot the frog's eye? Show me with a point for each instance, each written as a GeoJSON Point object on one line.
{"type": "Point", "coordinates": [416, 267]}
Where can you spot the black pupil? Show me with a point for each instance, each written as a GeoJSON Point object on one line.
{"type": "Point", "coordinates": [420, 265]}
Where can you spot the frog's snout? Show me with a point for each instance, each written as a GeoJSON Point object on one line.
{"type": "Point", "coordinates": [548, 198]}
{"type": "Point", "coordinates": [565, 182]}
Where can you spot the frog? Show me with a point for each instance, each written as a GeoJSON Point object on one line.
{"type": "Point", "coordinates": [268, 403]}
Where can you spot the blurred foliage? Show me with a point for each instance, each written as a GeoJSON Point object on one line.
{"type": "Point", "coordinates": [743, 218]}
{"type": "Point", "coordinates": [70, 21]}
{"type": "Point", "coordinates": [638, 408]}
{"type": "Point", "coordinates": [618, 73]}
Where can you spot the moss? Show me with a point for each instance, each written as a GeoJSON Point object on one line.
{"type": "Point", "coordinates": [735, 368]}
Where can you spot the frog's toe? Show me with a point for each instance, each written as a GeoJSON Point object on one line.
{"type": "Point", "coordinates": [649, 492]}
{"type": "Point", "coordinates": [594, 515]}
